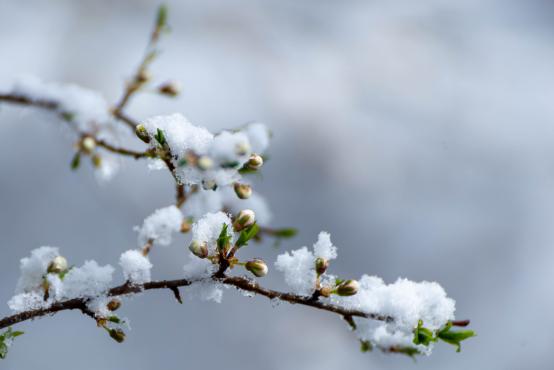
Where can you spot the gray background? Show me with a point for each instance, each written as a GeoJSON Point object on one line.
{"type": "Point", "coordinates": [418, 133]}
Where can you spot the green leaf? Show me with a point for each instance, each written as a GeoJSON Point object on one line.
{"type": "Point", "coordinates": [247, 234]}
{"type": "Point", "coordinates": [229, 164]}
{"type": "Point", "coordinates": [454, 337]}
{"type": "Point", "coordinates": [287, 232]}
{"type": "Point", "coordinates": [224, 238]}
{"type": "Point", "coordinates": [408, 351]}
{"type": "Point", "coordinates": [423, 335]}
{"type": "Point", "coordinates": [68, 116]}
{"type": "Point", "coordinates": [76, 161]}
{"type": "Point", "coordinates": [365, 346]}
{"type": "Point", "coordinates": [160, 137]}
{"type": "Point", "coordinates": [114, 319]}
{"type": "Point", "coordinates": [161, 18]}
{"type": "Point", "coordinates": [8, 335]}
{"type": "Point", "coordinates": [3, 350]}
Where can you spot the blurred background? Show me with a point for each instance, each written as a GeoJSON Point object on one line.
{"type": "Point", "coordinates": [418, 133]}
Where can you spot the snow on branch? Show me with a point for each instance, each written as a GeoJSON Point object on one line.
{"type": "Point", "coordinates": [219, 209]}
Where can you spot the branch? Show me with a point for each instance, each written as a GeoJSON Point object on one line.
{"type": "Point", "coordinates": [173, 285]}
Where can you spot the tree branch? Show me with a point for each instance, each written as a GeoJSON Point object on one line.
{"type": "Point", "coordinates": [173, 285]}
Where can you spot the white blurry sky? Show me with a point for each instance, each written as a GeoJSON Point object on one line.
{"type": "Point", "coordinates": [418, 133]}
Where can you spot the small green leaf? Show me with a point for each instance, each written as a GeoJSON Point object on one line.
{"type": "Point", "coordinates": [160, 137]}
{"type": "Point", "coordinates": [182, 162]}
{"type": "Point", "coordinates": [408, 351]}
{"type": "Point", "coordinates": [423, 335]}
{"type": "Point", "coordinates": [3, 350]}
{"type": "Point", "coordinates": [287, 232]}
{"type": "Point", "coordinates": [161, 18]}
{"type": "Point", "coordinates": [454, 337]}
{"type": "Point", "coordinates": [229, 164]}
{"type": "Point", "coordinates": [224, 238]}
{"type": "Point", "coordinates": [68, 116]}
{"type": "Point", "coordinates": [365, 346]}
{"type": "Point", "coordinates": [247, 234]}
{"type": "Point", "coordinates": [76, 161]}
{"type": "Point", "coordinates": [114, 319]}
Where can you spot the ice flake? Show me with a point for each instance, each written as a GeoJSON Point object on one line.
{"type": "Point", "coordinates": [298, 267]}
{"type": "Point", "coordinates": [89, 280]}
{"type": "Point", "coordinates": [136, 267]}
{"type": "Point", "coordinates": [159, 226]}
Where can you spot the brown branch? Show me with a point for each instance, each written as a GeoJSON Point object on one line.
{"type": "Point", "coordinates": [173, 285]}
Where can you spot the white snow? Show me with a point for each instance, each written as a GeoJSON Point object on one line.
{"type": "Point", "coordinates": [159, 226]}
{"type": "Point", "coordinates": [298, 266]}
{"type": "Point", "coordinates": [89, 280]}
{"type": "Point", "coordinates": [34, 267]}
{"type": "Point", "coordinates": [136, 267]}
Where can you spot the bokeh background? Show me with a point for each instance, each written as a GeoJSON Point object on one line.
{"type": "Point", "coordinates": [420, 134]}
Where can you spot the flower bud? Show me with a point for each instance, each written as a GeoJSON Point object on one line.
{"type": "Point", "coordinates": [186, 226]}
{"type": "Point", "coordinates": [142, 134]}
{"type": "Point", "coordinates": [326, 291]}
{"type": "Point", "coordinates": [199, 249]}
{"type": "Point", "coordinates": [96, 160]}
{"type": "Point", "coordinates": [57, 265]}
{"type": "Point", "coordinates": [255, 162]}
{"type": "Point", "coordinates": [117, 334]}
{"type": "Point", "coordinates": [205, 163]}
{"type": "Point", "coordinates": [347, 288]}
{"type": "Point", "coordinates": [243, 191]}
{"type": "Point", "coordinates": [143, 76]}
{"type": "Point", "coordinates": [245, 218]}
{"type": "Point", "coordinates": [114, 304]}
{"type": "Point", "coordinates": [88, 144]}
{"type": "Point", "coordinates": [321, 265]}
{"type": "Point", "coordinates": [257, 267]}
{"type": "Point", "coordinates": [170, 88]}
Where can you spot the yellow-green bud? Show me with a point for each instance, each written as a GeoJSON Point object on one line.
{"type": "Point", "coordinates": [57, 265]}
{"type": "Point", "coordinates": [257, 267]}
{"type": "Point", "coordinates": [143, 76]}
{"type": "Point", "coordinates": [347, 288]}
{"type": "Point", "coordinates": [117, 334]}
{"type": "Point", "coordinates": [96, 160]}
{"type": "Point", "coordinates": [243, 191]}
{"type": "Point", "coordinates": [326, 291]}
{"type": "Point", "coordinates": [321, 265]}
{"type": "Point", "coordinates": [205, 163]}
{"type": "Point", "coordinates": [199, 249]}
{"type": "Point", "coordinates": [142, 134]}
{"type": "Point", "coordinates": [88, 144]}
{"type": "Point", "coordinates": [186, 226]}
{"type": "Point", "coordinates": [114, 304]}
{"type": "Point", "coordinates": [170, 88]}
{"type": "Point", "coordinates": [245, 218]}
{"type": "Point", "coordinates": [255, 162]}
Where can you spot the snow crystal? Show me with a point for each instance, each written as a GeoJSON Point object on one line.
{"type": "Point", "coordinates": [324, 248]}
{"type": "Point", "coordinates": [208, 228]}
{"type": "Point", "coordinates": [206, 290]}
{"type": "Point", "coordinates": [89, 280]}
{"type": "Point", "coordinates": [160, 225]}
{"type": "Point", "coordinates": [136, 267]}
{"type": "Point", "coordinates": [28, 301]}
{"type": "Point", "coordinates": [99, 306]}
{"type": "Point", "coordinates": [298, 267]}
{"type": "Point", "coordinates": [180, 134]}
{"type": "Point", "coordinates": [197, 268]}
{"type": "Point", "coordinates": [33, 268]}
